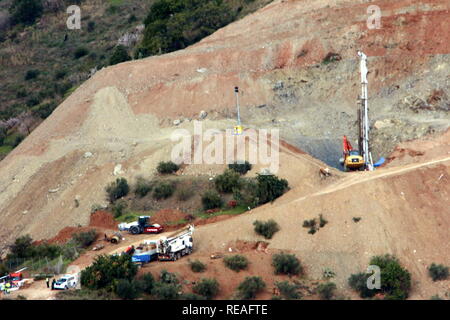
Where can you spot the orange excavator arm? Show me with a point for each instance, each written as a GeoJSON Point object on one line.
{"type": "Point", "coordinates": [346, 145]}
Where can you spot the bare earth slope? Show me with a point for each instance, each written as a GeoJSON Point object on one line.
{"type": "Point", "coordinates": [123, 115]}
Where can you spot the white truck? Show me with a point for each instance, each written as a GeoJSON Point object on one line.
{"type": "Point", "coordinates": [176, 245]}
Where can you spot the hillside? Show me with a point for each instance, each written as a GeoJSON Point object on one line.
{"type": "Point", "coordinates": [125, 115]}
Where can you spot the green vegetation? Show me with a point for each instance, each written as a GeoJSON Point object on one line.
{"type": "Point", "coordinates": [326, 290]}
{"type": "Point", "coordinates": [236, 262]}
{"type": "Point", "coordinates": [106, 271]}
{"type": "Point", "coordinates": [197, 266]}
{"type": "Point", "coordinates": [163, 190]}
{"type": "Point", "coordinates": [31, 74]}
{"type": "Point", "coordinates": [118, 208]}
{"type": "Point", "coordinates": [241, 168]}
{"type": "Point", "coordinates": [184, 193]}
{"type": "Point", "coordinates": [266, 229]}
{"type": "Point", "coordinates": [80, 52]}
{"type": "Point", "coordinates": [26, 11]}
{"type": "Point", "coordinates": [85, 239]}
{"type": "Point", "coordinates": [250, 287]}
{"type": "Point", "coordinates": [143, 187]}
{"type": "Point", "coordinates": [270, 187]}
{"type": "Point", "coordinates": [395, 280]}
{"type": "Point", "coordinates": [313, 225]}
{"type": "Point", "coordinates": [127, 289]}
{"type": "Point", "coordinates": [284, 263]}
{"type": "Point", "coordinates": [288, 291]}
{"type": "Point", "coordinates": [207, 288]}
{"type": "Point", "coordinates": [167, 167]}
{"type": "Point", "coordinates": [211, 200]}
{"type": "Point", "coordinates": [120, 54]}
{"type": "Point", "coordinates": [227, 181]}
{"type": "Point", "coordinates": [117, 189]}
{"type": "Point", "coordinates": [438, 272]}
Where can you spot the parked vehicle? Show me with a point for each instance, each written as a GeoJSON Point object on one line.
{"type": "Point", "coordinates": [177, 245]}
{"type": "Point", "coordinates": [142, 225]}
{"type": "Point", "coordinates": [66, 282]}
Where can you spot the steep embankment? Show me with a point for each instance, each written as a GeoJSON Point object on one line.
{"type": "Point", "coordinates": [124, 114]}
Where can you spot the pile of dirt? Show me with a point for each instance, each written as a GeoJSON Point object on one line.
{"type": "Point", "coordinates": [66, 234]}
{"type": "Point", "coordinates": [103, 220]}
{"type": "Point", "coordinates": [167, 217]}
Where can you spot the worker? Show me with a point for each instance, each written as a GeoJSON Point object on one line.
{"type": "Point", "coordinates": [53, 283]}
{"type": "Point", "coordinates": [47, 280]}
{"type": "Point", "coordinates": [7, 288]}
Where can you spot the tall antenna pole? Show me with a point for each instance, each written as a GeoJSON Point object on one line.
{"type": "Point", "coordinates": [236, 92]}
{"type": "Point", "coordinates": [364, 98]}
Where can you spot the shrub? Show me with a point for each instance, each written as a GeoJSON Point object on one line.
{"type": "Point", "coordinates": [266, 229]}
{"type": "Point", "coordinates": [284, 263]}
{"type": "Point", "coordinates": [166, 291]}
{"type": "Point", "coordinates": [105, 270]}
{"type": "Point", "coordinates": [241, 168]}
{"type": "Point", "coordinates": [168, 277]}
{"type": "Point", "coordinates": [211, 200]}
{"type": "Point", "coordinates": [167, 167]}
{"type": "Point", "coordinates": [31, 74]}
{"type": "Point", "coordinates": [184, 193]}
{"type": "Point", "coordinates": [395, 280]}
{"type": "Point", "coordinates": [117, 189]}
{"type": "Point", "coordinates": [118, 208]}
{"type": "Point", "coordinates": [227, 181]}
{"type": "Point", "coordinates": [91, 26]}
{"type": "Point", "coordinates": [120, 54]}
{"type": "Point", "coordinates": [80, 52]}
{"type": "Point", "coordinates": [438, 272]}
{"type": "Point", "coordinates": [322, 221]}
{"type": "Point", "coordinates": [250, 287]}
{"type": "Point", "coordinates": [207, 288]}
{"type": "Point", "coordinates": [197, 266]}
{"type": "Point", "coordinates": [163, 190]}
{"type": "Point", "coordinates": [236, 263]}
{"type": "Point", "coordinates": [326, 290]}
{"type": "Point", "coordinates": [358, 282]}
{"type": "Point", "coordinates": [270, 187]}
{"type": "Point", "coordinates": [247, 195]}
{"type": "Point", "coordinates": [287, 290]}
{"type": "Point", "coordinates": [146, 283]}
{"type": "Point", "coordinates": [26, 11]}
{"type": "Point", "coordinates": [127, 289]}
{"type": "Point", "coordinates": [143, 187]}
{"type": "Point", "coordinates": [85, 239]}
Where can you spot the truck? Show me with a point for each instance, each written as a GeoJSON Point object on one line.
{"type": "Point", "coordinates": [142, 225]}
{"type": "Point", "coordinates": [176, 245]}
{"type": "Point", "coordinates": [145, 252]}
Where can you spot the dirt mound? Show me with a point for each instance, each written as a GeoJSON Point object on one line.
{"type": "Point", "coordinates": [166, 216]}
{"type": "Point", "coordinates": [66, 234]}
{"type": "Point", "coordinates": [103, 220]}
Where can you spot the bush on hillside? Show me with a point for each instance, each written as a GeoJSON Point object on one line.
{"type": "Point", "coordinates": [127, 289]}
{"type": "Point", "coordinates": [241, 168]}
{"type": "Point", "coordinates": [120, 54]}
{"type": "Point", "coordinates": [266, 229]}
{"type": "Point", "coordinates": [197, 266]}
{"type": "Point", "coordinates": [105, 271]}
{"type": "Point", "coordinates": [166, 291]}
{"type": "Point", "coordinates": [31, 74]}
{"type": "Point", "coordinates": [185, 193]}
{"type": "Point", "coordinates": [395, 280]}
{"type": "Point", "coordinates": [438, 272]}
{"type": "Point", "coordinates": [326, 290]}
{"type": "Point", "coordinates": [117, 189]}
{"type": "Point", "coordinates": [167, 167]}
{"type": "Point", "coordinates": [118, 208]}
{"type": "Point", "coordinates": [211, 200]}
{"type": "Point", "coordinates": [207, 288]}
{"type": "Point", "coordinates": [85, 239]}
{"type": "Point", "coordinates": [163, 190]}
{"type": "Point", "coordinates": [250, 287]}
{"type": "Point", "coordinates": [270, 187]}
{"type": "Point", "coordinates": [236, 262]}
{"type": "Point", "coordinates": [26, 11]}
{"type": "Point", "coordinates": [287, 290]}
{"type": "Point", "coordinates": [80, 52]}
{"type": "Point", "coordinates": [285, 263]}
{"type": "Point", "coordinates": [143, 187]}
{"type": "Point", "coordinates": [227, 181]}
{"type": "Point", "coordinates": [146, 283]}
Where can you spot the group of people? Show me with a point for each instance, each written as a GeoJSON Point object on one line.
{"type": "Point", "coordinates": [47, 281]}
